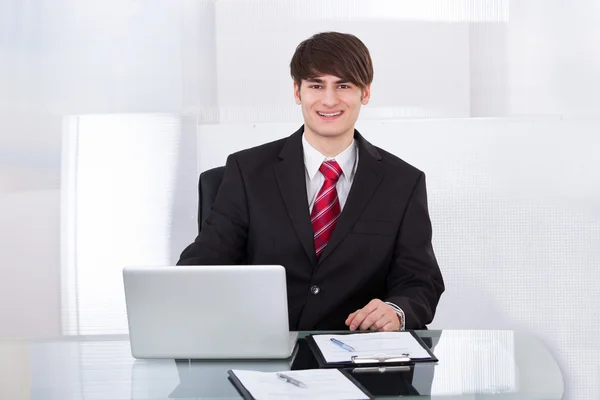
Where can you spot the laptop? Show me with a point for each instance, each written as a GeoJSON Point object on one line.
{"type": "Point", "coordinates": [208, 312]}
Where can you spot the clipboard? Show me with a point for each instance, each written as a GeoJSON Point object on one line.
{"type": "Point", "coordinates": [239, 386]}
{"type": "Point", "coordinates": [245, 393]}
{"type": "Point", "coordinates": [373, 361]}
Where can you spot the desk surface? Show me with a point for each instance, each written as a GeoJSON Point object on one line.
{"type": "Point", "coordinates": [472, 365]}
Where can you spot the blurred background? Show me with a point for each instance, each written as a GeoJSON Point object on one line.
{"type": "Point", "coordinates": [110, 110]}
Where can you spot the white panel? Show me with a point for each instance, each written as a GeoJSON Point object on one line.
{"type": "Point", "coordinates": [432, 58]}
{"type": "Point", "coordinates": [76, 56]}
{"type": "Point", "coordinates": [14, 369]}
{"type": "Point", "coordinates": [427, 75]}
{"type": "Point", "coordinates": [554, 64]}
{"type": "Point", "coordinates": [120, 211]}
{"type": "Point", "coordinates": [30, 159]}
{"type": "Point", "coordinates": [515, 206]}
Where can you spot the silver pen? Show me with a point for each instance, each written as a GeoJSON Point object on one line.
{"type": "Point", "coordinates": [291, 380]}
{"type": "Point", "coordinates": [342, 345]}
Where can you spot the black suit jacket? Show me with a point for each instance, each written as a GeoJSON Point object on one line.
{"type": "Point", "coordinates": [380, 248]}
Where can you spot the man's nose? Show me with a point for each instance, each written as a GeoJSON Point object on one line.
{"type": "Point", "coordinates": [330, 97]}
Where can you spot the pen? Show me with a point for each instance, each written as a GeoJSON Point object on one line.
{"type": "Point", "coordinates": [291, 380]}
{"type": "Point", "coordinates": [342, 345]}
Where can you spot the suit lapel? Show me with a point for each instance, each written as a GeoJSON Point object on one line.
{"type": "Point", "coordinates": [292, 184]}
{"type": "Point", "coordinates": [368, 176]}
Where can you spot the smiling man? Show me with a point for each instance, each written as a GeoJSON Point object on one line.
{"type": "Point", "coordinates": [349, 221]}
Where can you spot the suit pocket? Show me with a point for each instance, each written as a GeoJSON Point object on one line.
{"type": "Point", "coordinates": [375, 227]}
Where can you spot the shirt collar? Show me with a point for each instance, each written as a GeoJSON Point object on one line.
{"type": "Point", "coordinates": [313, 159]}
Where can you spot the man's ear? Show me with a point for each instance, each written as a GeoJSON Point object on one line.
{"type": "Point", "coordinates": [297, 97]}
{"type": "Point", "coordinates": [366, 95]}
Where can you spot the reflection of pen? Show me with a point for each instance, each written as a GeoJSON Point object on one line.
{"type": "Point", "coordinates": [342, 345]}
{"type": "Point", "coordinates": [291, 380]}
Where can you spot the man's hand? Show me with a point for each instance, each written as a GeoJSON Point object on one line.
{"type": "Point", "coordinates": [375, 316]}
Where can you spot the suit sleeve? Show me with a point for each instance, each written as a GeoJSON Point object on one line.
{"type": "Point", "coordinates": [414, 281]}
{"type": "Point", "coordinates": [223, 238]}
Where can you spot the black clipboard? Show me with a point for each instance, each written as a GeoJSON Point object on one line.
{"type": "Point", "coordinates": [235, 381]}
{"type": "Point", "coordinates": [374, 361]}
{"type": "Point", "coordinates": [386, 381]}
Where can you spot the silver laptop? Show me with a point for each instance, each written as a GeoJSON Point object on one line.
{"type": "Point", "coordinates": [208, 312]}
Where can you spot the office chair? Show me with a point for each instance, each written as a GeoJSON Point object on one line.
{"type": "Point", "coordinates": [208, 187]}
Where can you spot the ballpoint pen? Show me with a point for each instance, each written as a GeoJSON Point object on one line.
{"type": "Point", "coordinates": [291, 380]}
{"type": "Point", "coordinates": [342, 345]}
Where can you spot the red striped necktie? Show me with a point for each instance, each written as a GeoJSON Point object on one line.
{"type": "Point", "coordinates": [326, 209]}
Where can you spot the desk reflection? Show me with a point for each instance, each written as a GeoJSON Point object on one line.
{"type": "Point", "coordinates": [208, 378]}
{"type": "Point", "coordinates": [194, 378]}
{"type": "Point", "coordinates": [498, 364]}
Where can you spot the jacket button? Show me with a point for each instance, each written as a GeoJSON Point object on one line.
{"type": "Point", "coordinates": [315, 289]}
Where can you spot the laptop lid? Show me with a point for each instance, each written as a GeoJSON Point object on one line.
{"type": "Point", "coordinates": [208, 312]}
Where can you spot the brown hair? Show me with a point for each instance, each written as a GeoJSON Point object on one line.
{"type": "Point", "coordinates": [333, 53]}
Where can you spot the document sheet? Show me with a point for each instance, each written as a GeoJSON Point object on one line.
{"type": "Point", "coordinates": [319, 384]}
{"type": "Point", "coordinates": [376, 344]}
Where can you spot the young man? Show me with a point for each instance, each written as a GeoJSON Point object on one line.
{"type": "Point", "coordinates": [347, 220]}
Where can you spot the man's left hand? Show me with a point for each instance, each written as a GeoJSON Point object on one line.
{"type": "Point", "coordinates": [375, 316]}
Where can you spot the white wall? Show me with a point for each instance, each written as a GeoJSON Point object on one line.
{"type": "Point", "coordinates": [226, 62]}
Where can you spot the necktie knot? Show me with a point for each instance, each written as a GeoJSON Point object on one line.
{"type": "Point", "coordinates": [331, 170]}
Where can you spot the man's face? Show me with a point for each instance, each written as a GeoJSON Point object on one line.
{"type": "Point", "coordinates": [330, 105]}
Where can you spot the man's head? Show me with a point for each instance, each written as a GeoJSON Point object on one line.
{"type": "Point", "coordinates": [332, 75]}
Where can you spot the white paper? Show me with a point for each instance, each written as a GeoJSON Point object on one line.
{"type": "Point", "coordinates": [376, 344]}
{"type": "Point", "coordinates": [321, 384]}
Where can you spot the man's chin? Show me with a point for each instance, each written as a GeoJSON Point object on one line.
{"type": "Point", "coordinates": [330, 133]}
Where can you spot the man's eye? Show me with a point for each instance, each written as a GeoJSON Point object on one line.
{"type": "Point", "coordinates": [344, 87]}
{"type": "Point", "coordinates": [316, 86]}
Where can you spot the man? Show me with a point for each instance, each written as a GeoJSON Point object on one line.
{"type": "Point", "coordinates": [347, 220]}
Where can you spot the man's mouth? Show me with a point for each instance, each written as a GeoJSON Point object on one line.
{"type": "Point", "coordinates": [329, 115]}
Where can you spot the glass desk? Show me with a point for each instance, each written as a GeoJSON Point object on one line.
{"type": "Point", "coordinates": [472, 365]}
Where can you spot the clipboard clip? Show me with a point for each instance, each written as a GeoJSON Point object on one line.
{"type": "Point", "coordinates": [381, 359]}
{"type": "Point", "coordinates": [381, 370]}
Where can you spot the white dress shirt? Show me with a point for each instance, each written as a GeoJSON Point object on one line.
{"type": "Point", "coordinates": [348, 161]}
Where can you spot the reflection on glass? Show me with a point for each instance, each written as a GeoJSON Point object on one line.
{"type": "Point", "coordinates": [475, 362]}
{"type": "Point", "coordinates": [120, 172]}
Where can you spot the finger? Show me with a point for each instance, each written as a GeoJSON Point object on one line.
{"type": "Point", "coordinates": [383, 321]}
{"type": "Point", "coordinates": [357, 319]}
{"type": "Point", "coordinates": [373, 305]}
{"type": "Point", "coordinates": [392, 322]}
{"type": "Point", "coordinates": [372, 318]}
{"type": "Point", "coordinates": [386, 315]}
{"type": "Point", "coordinates": [351, 317]}
{"type": "Point", "coordinates": [364, 312]}
{"type": "Point", "coordinates": [388, 327]}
